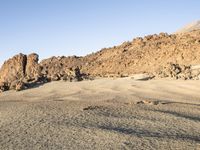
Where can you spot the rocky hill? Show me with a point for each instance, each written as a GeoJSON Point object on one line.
{"type": "Point", "coordinates": [140, 55]}
{"type": "Point", "coordinates": [160, 55]}
{"type": "Point", "coordinates": [146, 54]}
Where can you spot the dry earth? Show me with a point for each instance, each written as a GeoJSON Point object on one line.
{"type": "Point", "coordinates": [102, 114]}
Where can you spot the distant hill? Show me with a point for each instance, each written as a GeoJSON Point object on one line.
{"type": "Point", "coordinates": [190, 27]}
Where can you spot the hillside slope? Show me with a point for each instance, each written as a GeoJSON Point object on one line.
{"type": "Point", "coordinates": [190, 27]}
{"type": "Point", "coordinates": [146, 54]}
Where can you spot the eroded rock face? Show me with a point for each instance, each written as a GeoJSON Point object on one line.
{"type": "Point", "coordinates": [23, 71]}
{"type": "Point", "coordinates": [33, 69]}
{"type": "Point", "coordinates": [13, 69]}
{"type": "Point", "coordinates": [19, 70]}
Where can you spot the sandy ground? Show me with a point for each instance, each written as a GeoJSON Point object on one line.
{"type": "Point", "coordinates": [102, 114]}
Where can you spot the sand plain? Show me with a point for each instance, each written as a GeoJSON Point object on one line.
{"type": "Point", "coordinates": [102, 114]}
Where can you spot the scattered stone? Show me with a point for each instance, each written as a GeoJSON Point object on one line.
{"type": "Point", "coordinates": [92, 107]}
{"type": "Point", "coordinates": [55, 77]}
{"type": "Point", "coordinates": [142, 77]}
{"type": "Point", "coordinates": [147, 102]}
{"type": "Point", "coordinates": [3, 87]}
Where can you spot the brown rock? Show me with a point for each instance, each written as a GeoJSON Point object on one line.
{"type": "Point", "coordinates": [13, 69]}
{"type": "Point", "coordinates": [13, 85]}
{"type": "Point", "coordinates": [143, 55]}
{"type": "Point", "coordinates": [3, 87]}
{"type": "Point", "coordinates": [18, 70]}
{"type": "Point", "coordinates": [33, 70]}
{"type": "Point", "coordinates": [59, 68]}
{"type": "Point", "coordinates": [19, 86]}
{"type": "Point", "coordinates": [176, 71]}
{"type": "Point", "coordinates": [55, 77]}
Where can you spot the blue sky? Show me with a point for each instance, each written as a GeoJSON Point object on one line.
{"type": "Point", "coordinates": [78, 27]}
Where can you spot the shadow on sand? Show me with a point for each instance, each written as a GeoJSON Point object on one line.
{"type": "Point", "coordinates": [146, 133]}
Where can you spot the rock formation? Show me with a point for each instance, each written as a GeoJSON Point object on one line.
{"type": "Point", "coordinates": [62, 68]}
{"type": "Point", "coordinates": [141, 55]}
{"type": "Point", "coordinates": [146, 54]}
{"type": "Point", "coordinates": [163, 56]}
{"type": "Point", "coordinates": [13, 69]}
{"type": "Point", "coordinates": [33, 69]}
{"type": "Point", "coordinates": [24, 71]}
{"type": "Point", "coordinates": [174, 71]}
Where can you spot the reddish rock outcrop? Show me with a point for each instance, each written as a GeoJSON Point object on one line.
{"type": "Point", "coordinates": [18, 71]}
{"type": "Point", "coordinates": [13, 69]}
{"type": "Point", "coordinates": [33, 69]}
{"type": "Point", "coordinates": [23, 71]}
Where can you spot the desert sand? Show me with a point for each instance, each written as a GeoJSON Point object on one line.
{"type": "Point", "coordinates": [102, 114]}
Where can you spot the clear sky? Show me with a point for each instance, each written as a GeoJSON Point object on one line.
{"type": "Point", "coordinates": [78, 27]}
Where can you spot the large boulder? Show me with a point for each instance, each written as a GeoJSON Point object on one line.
{"type": "Point", "coordinates": [13, 69]}
{"type": "Point", "coordinates": [19, 71]}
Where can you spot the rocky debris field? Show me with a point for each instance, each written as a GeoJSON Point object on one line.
{"type": "Point", "coordinates": [176, 71]}
{"type": "Point", "coordinates": [174, 56]}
